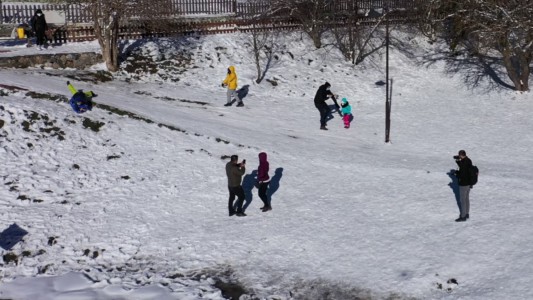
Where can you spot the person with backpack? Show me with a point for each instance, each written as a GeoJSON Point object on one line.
{"type": "Point", "coordinates": [39, 26]}
{"type": "Point", "coordinates": [322, 94]}
{"type": "Point", "coordinates": [81, 101]}
{"type": "Point", "coordinates": [465, 183]}
{"type": "Point", "coordinates": [231, 82]}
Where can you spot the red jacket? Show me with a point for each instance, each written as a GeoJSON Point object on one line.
{"type": "Point", "coordinates": [262, 170]}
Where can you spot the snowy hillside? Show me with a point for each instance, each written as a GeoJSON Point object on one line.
{"type": "Point", "coordinates": [129, 201]}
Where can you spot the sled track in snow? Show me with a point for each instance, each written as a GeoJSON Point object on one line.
{"type": "Point", "coordinates": [6, 89]}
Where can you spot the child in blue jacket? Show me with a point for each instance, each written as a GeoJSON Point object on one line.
{"type": "Point", "coordinates": [80, 101]}
{"type": "Point", "coordinates": [346, 112]}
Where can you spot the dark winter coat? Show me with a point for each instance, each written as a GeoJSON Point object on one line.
{"type": "Point", "coordinates": [80, 101]}
{"type": "Point", "coordinates": [463, 173]}
{"type": "Point", "coordinates": [234, 173]}
{"type": "Point", "coordinates": [38, 23]}
{"type": "Point", "coordinates": [262, 170]}
{"type": "Point", "coordinates": [322, 94]}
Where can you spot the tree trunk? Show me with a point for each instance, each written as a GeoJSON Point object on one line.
{"type": "Point", "coordinates": [316, 36]}
{"type": "Point", "coordinates": [256, 51]}
{"type": "Point", "coordinates": [257, 58]}
{"type": "Point", "coordinates": [106, 30]}
{"type": "Point", "coordinates": [525, 71]}
{"type": "Point", "coordinates": [112, 61]}
{"type": "Point", "coordinates": [110, 44]}
{"type": "Point", "coordinates": [518, 72]}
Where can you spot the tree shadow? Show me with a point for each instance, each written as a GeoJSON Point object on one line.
{"type": "Point", "coordinates": [360, 58]}
{"type": "Point", "coordinates": [248, 184]}
{"type": "Point", "coordinates": [454, 185]}
{"type": "Point", "coordinates": [127, 49]}
{"type": "Point", "coordinates": [274, 183]}
{"type": "Point", "coordinates": [243, 92]}
{"type": "Point", "coordinates": [477, 70]}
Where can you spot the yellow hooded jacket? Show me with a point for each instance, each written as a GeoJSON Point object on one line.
{"type": "Point", "coordinates": [73, 90]}
{"type": "Point", "coordinates": [231, 79]}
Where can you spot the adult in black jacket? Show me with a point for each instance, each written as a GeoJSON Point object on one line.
{"type": "Point", "coordinates": [465, 182]}
{"type": "Point", "coordinates": [322, 94]}
{"type": "Point", "coordinates": [39, 26]}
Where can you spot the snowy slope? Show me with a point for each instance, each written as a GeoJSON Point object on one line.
{"type": "Point", "coordinates": [141, 201]}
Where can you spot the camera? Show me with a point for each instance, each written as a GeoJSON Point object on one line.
{"type": "Point", "coordinates": [244, 161]}
{"type": "Point", "coordinates": [456, 157]}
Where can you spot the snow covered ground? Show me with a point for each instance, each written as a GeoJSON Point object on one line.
{"type": "Point", "coordinates": [129, 201]}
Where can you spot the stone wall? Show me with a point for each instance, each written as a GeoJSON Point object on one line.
{"type": "Point", "coordinates": [78, 61]}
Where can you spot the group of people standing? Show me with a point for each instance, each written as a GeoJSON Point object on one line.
{"type": "Point", "coordinates": [234, 172]}
{"type": "Point", "coordinates": [322, 95]}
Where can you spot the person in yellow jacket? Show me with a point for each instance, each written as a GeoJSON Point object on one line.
{"type": "Point", "coordinates": [231, 83]}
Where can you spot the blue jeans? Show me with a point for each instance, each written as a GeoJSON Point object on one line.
{"type": "Point", "coordinates": [464, 199]}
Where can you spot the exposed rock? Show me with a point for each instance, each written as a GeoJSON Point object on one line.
{"type": "Point", "coordinates": [56, 61]}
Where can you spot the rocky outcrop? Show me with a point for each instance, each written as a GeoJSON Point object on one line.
{"type": "Point", "coordinates": [56, 61]}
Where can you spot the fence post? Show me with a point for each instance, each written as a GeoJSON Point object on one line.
{"type": "Point", "coordinates": [1, 15]}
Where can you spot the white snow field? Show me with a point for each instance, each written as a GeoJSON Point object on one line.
{"type": "Point", "coordinates": [129, 200]}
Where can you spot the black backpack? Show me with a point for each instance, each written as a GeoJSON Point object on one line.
{"type": "Point", "coordinates": [473, 172]}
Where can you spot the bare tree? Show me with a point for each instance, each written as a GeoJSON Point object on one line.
{"type": "Point", "coordinates": [108, 16]}
{"type": "Point", "coordinates": [263, 49]}
{"type": "Point", "coordinates": [353, 39]}
{"type": "Point", "coordinates": [347, 31]}
{"type": "Point", "coordinates": [262, 37]}
{"type": "Point", "coordinates": [313, 15]}
{"type": "Point", "coordinates": [504, 26]}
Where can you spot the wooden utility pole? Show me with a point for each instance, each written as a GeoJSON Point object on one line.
{"type": "Point", "coordinates": [387, 94]}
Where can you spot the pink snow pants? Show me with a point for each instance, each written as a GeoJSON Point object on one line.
{"type": "Point", "coordinates": [346, 119]}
